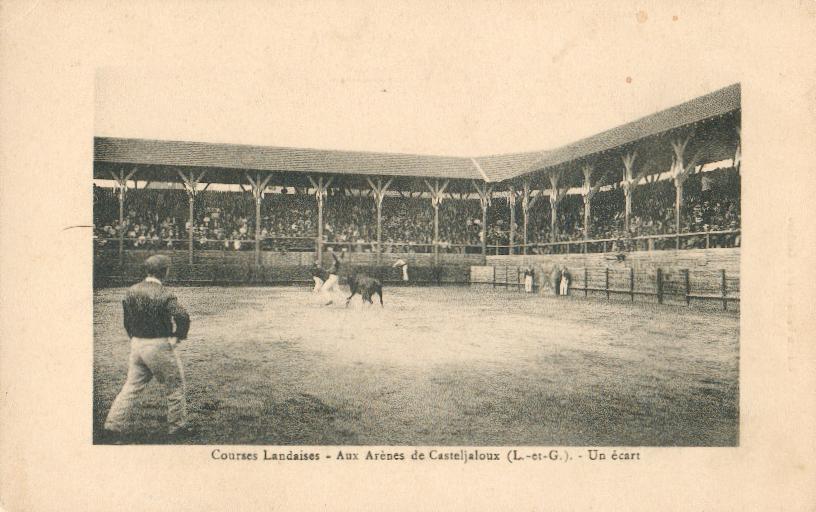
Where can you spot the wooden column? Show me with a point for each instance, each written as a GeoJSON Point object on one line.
{"type": "Point", "coordinates": [512, 195]}
{"type": "Point", "coordinates": [437, 194]}
{"type": "Point", "coordinates": [190, 182]}
{"type": "Point", "coordinates": [588, 192]}
{"type": "Point", "coordinates": [738, 152]}
{"type": "Point", "coordinates": [631, 180]}
{"type": "Point", "coordinates": [528, 199]}
{"type": "Point", "coordinates": [485, 192]}
{"type": "Point", "coordinates": [258, 186]}
{"type": "Point", "coordinates": [320, 187]}
{"type": "Point", "coordinates": [557, 194]}
{"type": "Point", "coordinates": [680, 171]}
{"type": "Point", "coordinates": [121, 180]}
{"type": "Point", "coordinates": [379, 190]}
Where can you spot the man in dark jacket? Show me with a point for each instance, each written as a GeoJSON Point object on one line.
{"type": "Point", "coordinates": [150, 311]}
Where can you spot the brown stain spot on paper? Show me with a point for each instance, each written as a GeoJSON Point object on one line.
{"type": "Point", "coordinates": [675, 18]}
{"type": "Point", "coordinates": [642, 16]}
{"type": "Point", "coordinates": [628, 79]}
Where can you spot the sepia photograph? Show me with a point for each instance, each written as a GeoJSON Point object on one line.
{"type": "Point", "coordinates": [407, 256]}
{"type": "Point", "coordinates": [586, 294]}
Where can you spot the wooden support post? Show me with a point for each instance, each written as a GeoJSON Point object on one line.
{"type": "Point", "coordinates": [121, 187]}
{"type": "Point", "coordinates": [556, 196]}
{"type": "Point", "coordinates": [678, 201]}
{"type": "Point", "coordinates": [632, 284]}
{"type": "Point", "coordinates": [680, 171]}
{"type": "Point", "coordinates": [724, 291]}
{"type": "Point", "coordinates": [687, 282]}
{"type": "Point", "coordinates": [320, 187]}
{"type": "Point", "coordinates": [586, 282]}
{"type": "Point", "coordinates": [494, 276]}
{"type": "Point", "coordinates": [319, 198]}
{"type": "Point", "coordinates": [737, 160]}
{"type": "Point", "coordinates": [436, 234]}
{"type": "Point", "coordinates": [528, 199]}
{"type": "Point", "coordinates": [511, 203]}
{"type": "Point", "coordinates": [258, 186]}
{"type": "Point", "coordinates": [606, 282]}
{"type": "Point", "coordinates": [659, 286]}
{"type": "Point", "coordinates": [379, 189]}
{"type": "Point", "coordinates": [484, 230]}
{"type": "Point", "coordinates": [437, 194]}
{"type": "Point", "coordinates": [191, 227]}
{"type": "Point", "coordinates": [485, 195]}
{"type": "Point", "coordinates": [258, 200]}
{"type": "Point", "coordinates": [190, 182]}
{"type": "Point", "coordinates": [588, 192]}
{"type": "Point", "coordinates": [630, 181]}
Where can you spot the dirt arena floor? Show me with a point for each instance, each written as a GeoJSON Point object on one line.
{"type": "Point", "coordinates": [437, 366]}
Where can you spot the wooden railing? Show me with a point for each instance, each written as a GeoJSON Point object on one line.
{"type": "Point", "coordinates": [707, 240]}
{"type": "Point", "coordinates": [682, 285]}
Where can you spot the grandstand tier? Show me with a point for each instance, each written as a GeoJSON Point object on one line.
{"type": "Point", "coordinates": [668, 181]}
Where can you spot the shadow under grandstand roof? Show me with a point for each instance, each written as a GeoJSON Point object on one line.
{"type": "Point", "coordinates": [225, 159]}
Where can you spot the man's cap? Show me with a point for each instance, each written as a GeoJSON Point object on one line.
{"type": "Point", "coordinates": [157, 265]}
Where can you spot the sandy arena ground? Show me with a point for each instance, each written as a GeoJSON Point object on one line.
{"type": "Point", "coordinates": [437, 366]}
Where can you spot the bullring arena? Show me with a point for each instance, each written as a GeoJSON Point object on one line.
{"type": "Point", "coordinates": [642, 351]}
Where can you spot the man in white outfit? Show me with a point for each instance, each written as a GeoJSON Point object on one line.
{"type": "Point", "coordinates": [529, 273]}
{"type": "Point", "coordinates": [331, 282]}
{"type": "Point", "coordinates": [400, 263]}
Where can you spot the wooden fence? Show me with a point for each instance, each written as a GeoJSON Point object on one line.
{"type": "Point", "coordinates": [681, 285]}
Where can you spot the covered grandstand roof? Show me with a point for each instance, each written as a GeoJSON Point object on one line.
{"type": "Point", "coordinates": [495, 168]}
{"type": "Point", "coordinates": [266, 158]}
{"type": "Point", "coordinates": [699, 109]}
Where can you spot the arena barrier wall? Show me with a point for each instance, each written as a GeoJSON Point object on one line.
{"type": "Point", "coordinates": [668, 260]}
{"type": "Point", "coordinates": [680, 276]}
{"type": "Point", "coordinates": [238, 267]}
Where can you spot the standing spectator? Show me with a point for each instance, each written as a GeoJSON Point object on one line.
{"type": "Point", "coordinates": [566, 280]}
{"type": "Point", "coordinates": [400, 263]}
{"type": "Point", "coordinates": [529, 275]}
{"type": "Point", "coordinates": [150, 310]}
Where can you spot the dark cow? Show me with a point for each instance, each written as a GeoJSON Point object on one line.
{"type": "Point", "coordinates": [364, 285]}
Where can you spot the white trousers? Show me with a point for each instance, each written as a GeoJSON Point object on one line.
{"type": "Point", "coordinates": [564, 286]}
{"type": "Point", "coordinates": [318, 284]}
{"type": "Point", "coordinates": [330, 283]}
{"type": "Point", "coordinates": [153, 357]}
{"type": "Point", "coordinates": [528, 284]}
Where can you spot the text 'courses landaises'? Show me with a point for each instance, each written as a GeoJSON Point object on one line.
{"type": "Point", "coordinates": [513, 455]}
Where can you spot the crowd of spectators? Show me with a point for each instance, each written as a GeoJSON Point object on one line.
{"type": "Point", "coordinates": [157, 218]}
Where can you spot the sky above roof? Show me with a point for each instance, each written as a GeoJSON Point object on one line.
{"type": "Point", "coordinates": [440, 80]}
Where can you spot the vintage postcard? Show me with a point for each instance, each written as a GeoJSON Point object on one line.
{"type": "Point", "coordinates": [406, 250]}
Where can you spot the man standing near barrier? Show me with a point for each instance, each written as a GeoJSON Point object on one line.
{"type": "Point", "coordinates": [400, 263]}
{"type": "Point", "coordinates": [566, 280]}
{"type": "Point", "coordinates": [529, 275]}
{"type": "Point", "coordinates": [555, 279]}
{"type": "Point", "coordinates": [150, 310]}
